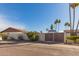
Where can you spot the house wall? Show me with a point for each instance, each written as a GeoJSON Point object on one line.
{"type": "Point", "coordinates": [41, 37]}
{"type": "Point", "coordinates": [0, 38]}
{"type": "Point", "coordinates": [62, 37]}
{"type": "Point", "coordinates": [49, 37]}
{"type": "Point", "coordinates": [66, 34]}
{"type": "Point", "coordinates": [57, 37]}
{"type": "Point", "coordinates": [15, 35]}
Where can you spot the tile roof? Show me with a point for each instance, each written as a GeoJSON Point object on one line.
{"type": "Point", "coordinates": [10, 29]}
{"type": "Point", "coordinates": [71, 30]}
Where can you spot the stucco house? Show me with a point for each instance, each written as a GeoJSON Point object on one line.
{"type": "Point", "coordinates": [15, 34]}
{"type": "Point", "coordinates": [67, 33]}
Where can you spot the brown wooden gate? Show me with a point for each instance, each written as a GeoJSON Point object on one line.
{"type": "Point", "coordinates": [49, 37]}
{"type": "Point", "coordinates": [57, 37]}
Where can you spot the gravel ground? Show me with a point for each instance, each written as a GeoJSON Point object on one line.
{"type": "Point", "coordinates": [38, 49]}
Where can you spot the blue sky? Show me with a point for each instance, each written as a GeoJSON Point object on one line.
{"type": "Point", "coordinates": [34, 17]}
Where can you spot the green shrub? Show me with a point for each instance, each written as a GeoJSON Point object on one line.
{"type": "Point", "coordinates": [33, 36]}
{"type": "Point", "coordinates": [74, 38]}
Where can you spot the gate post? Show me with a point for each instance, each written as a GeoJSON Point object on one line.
{"type": "Point", "coordinates": [53, 37]}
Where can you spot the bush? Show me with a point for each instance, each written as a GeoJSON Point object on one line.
{"type": "Point", "coordinates": [74, 38]}
{"type": "Point", "coordinates": [33, 36]}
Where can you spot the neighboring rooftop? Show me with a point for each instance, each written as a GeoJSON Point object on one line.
{"type": "Point", "coordinates": [71, 30]}
{"type": "Point", "coordinates": [50, 31]}
{"type": "Point", "coordinates": [10, 29]}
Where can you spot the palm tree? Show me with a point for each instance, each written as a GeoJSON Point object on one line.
{"type": "Point", "coordinates": [57, 22]}
{"type": "Point", "coordinates": [51, 27]}
{"type": "Point", "coordinates": [67, 24]}
{"type": "Point", "coordinates": [77, 27]}
{"type": "Point", "coordinates": [70, 18]}
{"type": "Point", "coordinates": [73, 6]}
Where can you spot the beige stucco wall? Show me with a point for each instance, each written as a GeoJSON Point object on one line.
{"type": "Point", "coordinates": [68, 34]}
{"type": "Point", "coordinates": [65, 35]}
{"type": "Point", "coordinates": [0, 38]}
{"type": "Point", "coordinates": [41, 37]}
{"type": "Point", "coordinates": [15, 35]}
{"type": "Point", "coordinates": [77, 34]}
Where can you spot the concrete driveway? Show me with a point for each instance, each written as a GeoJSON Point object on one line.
{"type": "Point", "coordinates": [38, 49]}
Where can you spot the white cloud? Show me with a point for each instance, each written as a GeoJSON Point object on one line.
{"type": "Point", "coordinates": [5, 23]}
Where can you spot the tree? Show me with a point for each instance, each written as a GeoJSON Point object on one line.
{"type": "Point", "coordinates": [72, 37]}
{"type": "Point", "coordinates": [51, 27]}
{"type": "Point", "coordinates": [67, 24]}
{"type": "Point", "coordinates": [77, 27]}
{"type": "Point", "coordinates": [70, 18]}
{"type": "Point", "coordinates": [57, 22]}
{"type": "Point", "coordinates": [73, 6]}
{"type": "Point", "coordinates": [33, 36]}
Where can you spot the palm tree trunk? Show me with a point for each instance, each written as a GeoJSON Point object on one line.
{"type": "Point", "coordinates": [73, 21]}
{"type": "Point", "coordinates": [58, 27]}
{"type": "Point", "coordinates": [73, 17]}
{"type": "Point", "coordinates": [77, 27]}
{"type": "Point", "coordinates": [70, 18]}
